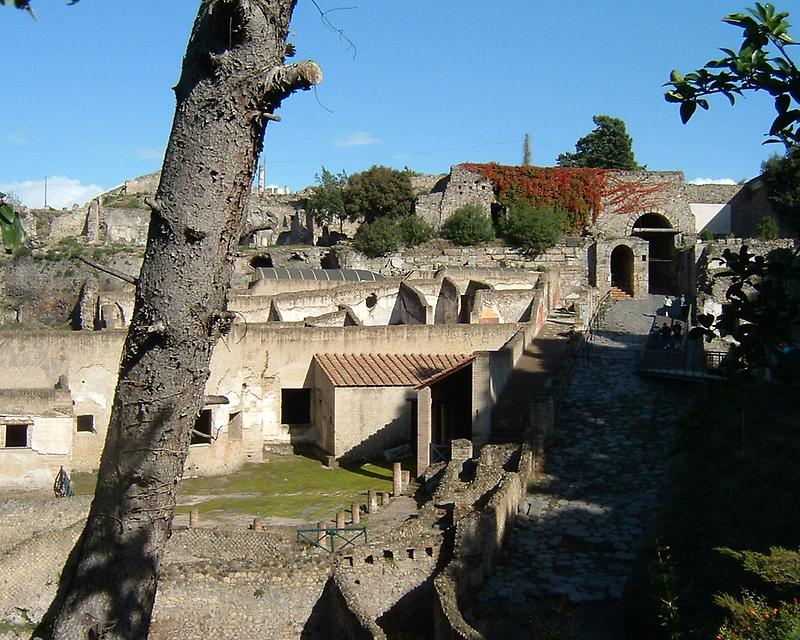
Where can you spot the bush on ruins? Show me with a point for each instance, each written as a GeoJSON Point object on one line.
{"type": "Point", "coordinates": [378, 238]}
{"type": "Point", "coordinates": [414, 230]}
{"type": "Point", "coordinates": [534, 229]}
{"type": "Point", "coordinates": [468, 226]}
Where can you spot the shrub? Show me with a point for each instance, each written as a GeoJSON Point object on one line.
{"type": "Point", "coordinates": [706, 235]}
{"type": "Point", "coordinates": [378, 238]}
{"type": "Point", "coordinates": [414, 230]}
{"type": "Point", "coordinates": [534, 229]}
{"type": "Point", "coordinates": [767, 229]}
{"type": "Point", "coordinates": [468, 226]}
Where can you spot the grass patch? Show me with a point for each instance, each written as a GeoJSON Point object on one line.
{"type": "Point", "coordinates": [284, 486]}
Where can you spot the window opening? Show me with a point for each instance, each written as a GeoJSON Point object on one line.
{"type": "Point", "coordinates": [16, 436]}
{"type": "Point", "coordinates": [202, 428]}
{"type": "Point", "coordinates": [86, 424]}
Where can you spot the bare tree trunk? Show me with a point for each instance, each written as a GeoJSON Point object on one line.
{"type": "Point", "coordinates": [232, 80]}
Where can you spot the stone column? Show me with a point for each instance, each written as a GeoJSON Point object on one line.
{"type": "Point", "coordinates": [322, 525]}
{"type": "Point", "coordinates": [397, 479]}
{"type": "Point", "coordinates": [481, 397]}
{"type": "Point", "coordinates": [355, 513]}
{"type": "Point", "coordinates": [340, 520]}
{"type": "Point", "coordinates": [424, 430]}
{"type": "Point", "coordinates": [258, 524]}
{"type": "Point", "coordinates": [385, 497]}
{"type": "Point", "coordinates": [194, 517]}
{"type": "Point", "coordinates": [405, 477]}
{"type": "Point", "coordinates": [372, 501]}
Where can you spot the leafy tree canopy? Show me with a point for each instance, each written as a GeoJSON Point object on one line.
{"type": "Point", "coordinates": [608, 146]}
{"type": "Point", "coordinates": [762, 63]}
{"type": "Point", "coordinates": [327, 202]}
{"type": "Point", "coordinates": [762, 313]}
{"type": "Point", "coordinates": [781, 175]}
{"type": "Point", "coordinates": [378, 192]}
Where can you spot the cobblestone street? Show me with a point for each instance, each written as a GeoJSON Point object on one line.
{"type": "Point", "coordinates": [605, 473]}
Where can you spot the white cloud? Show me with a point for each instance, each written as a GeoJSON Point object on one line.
{"type": "Point", "coordinates": [61, 192]}
{"type": "Point", "coordinates": [17, 138]}
{"type": "Point", "coordinates": [713, 181]}
{"type": "Point", "coordinates": [357, 139]}
{"type": "Point", "coordinates": [150, 153]}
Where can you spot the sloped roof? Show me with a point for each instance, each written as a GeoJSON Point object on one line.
{"type": "Point", "coordinates": [304, 273]}
{"type": "Point", "coordinates": [387, 369]}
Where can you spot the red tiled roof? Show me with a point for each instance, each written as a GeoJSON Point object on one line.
{"type": "Point", "coordinates": [387, 369]}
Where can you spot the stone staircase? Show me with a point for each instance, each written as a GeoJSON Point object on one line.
{"type": "Point", "coordinates": [620, 294]}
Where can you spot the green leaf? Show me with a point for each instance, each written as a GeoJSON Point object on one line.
{"type": "Point", "coordinates": [675, 76]}
{"type": "Point", "coordinates": [7, 214]}
{"type": "Point", "coordinates": [13, 235]}
{"type": "Point", "coordinates": [687, 111]}
{"type": "Point", "coordinates": [783, 121]}
{"type": "Point", "coordinates": [782, 103]}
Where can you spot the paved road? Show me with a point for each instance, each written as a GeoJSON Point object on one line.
{"type": "Point", "coordinates": [589, 514]}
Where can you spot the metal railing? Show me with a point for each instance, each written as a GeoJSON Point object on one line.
{"type": "Point", "coordinates": [679, 363]}
{"type": "Point", "coordinates": [332, 539]}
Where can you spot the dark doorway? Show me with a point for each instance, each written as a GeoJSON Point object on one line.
{"type": "Point", "coordinates": [662, 264]}
{"type": "Point", "coordinates": [295, 406]}
{"type": "Point", "coordinates": [451, 407]}
{"type": "Point", "coordinates": [622, 268]}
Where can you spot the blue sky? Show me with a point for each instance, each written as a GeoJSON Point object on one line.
{"type": "Point", "coordinates": [87, 100]}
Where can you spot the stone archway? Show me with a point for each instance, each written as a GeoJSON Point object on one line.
{"type": "Point", "coordinates": [622, 268]}
{"type": "Point", "coordinates": [657, 230]}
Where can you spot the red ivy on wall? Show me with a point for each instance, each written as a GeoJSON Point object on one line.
{"type": "Point", "coordinates": [582, 192]}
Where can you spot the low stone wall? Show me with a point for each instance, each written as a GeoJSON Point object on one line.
{"type": "Point", "coordinates": [479, 538]}
{"type": "Point", "coordinates": [348, 620]}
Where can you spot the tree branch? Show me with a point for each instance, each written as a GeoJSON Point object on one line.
{"type": "Point", "coordinates": [109, 270]}
{"type": "Point", "coordinates": [284, 80]}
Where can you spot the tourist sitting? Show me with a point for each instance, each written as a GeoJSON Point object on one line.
{"type": "Point", "coordinates": [677, 332]}
{"type": "Point", "coordinates": [665, 334]}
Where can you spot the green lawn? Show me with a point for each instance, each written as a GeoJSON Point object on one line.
{"type": "Point", "coordinates": [285, 486]}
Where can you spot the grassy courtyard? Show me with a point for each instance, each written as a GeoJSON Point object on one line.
{"type": "Point", "coordinates": [284, 486]}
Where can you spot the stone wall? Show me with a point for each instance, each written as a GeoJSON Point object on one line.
{"type": "Point", "coordinates": [639, 254]}
{"type": "Point", "coordinates": [668, 198]}
{"type": "Point", "coordinates": [571, 262]}
{"type": "Point", "coordinates": [147, 184]}
{"type": "Point", "coordinates": [460, 188]}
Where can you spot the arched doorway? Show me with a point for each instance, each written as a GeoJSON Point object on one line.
{"type": "Point", "coordinates": [622, 268]}
{"type": "Point", "coordinates": [662, 265]}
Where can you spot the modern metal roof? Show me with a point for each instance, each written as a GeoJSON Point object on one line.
{"type": "Point", "coordinates": [302, 273]}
